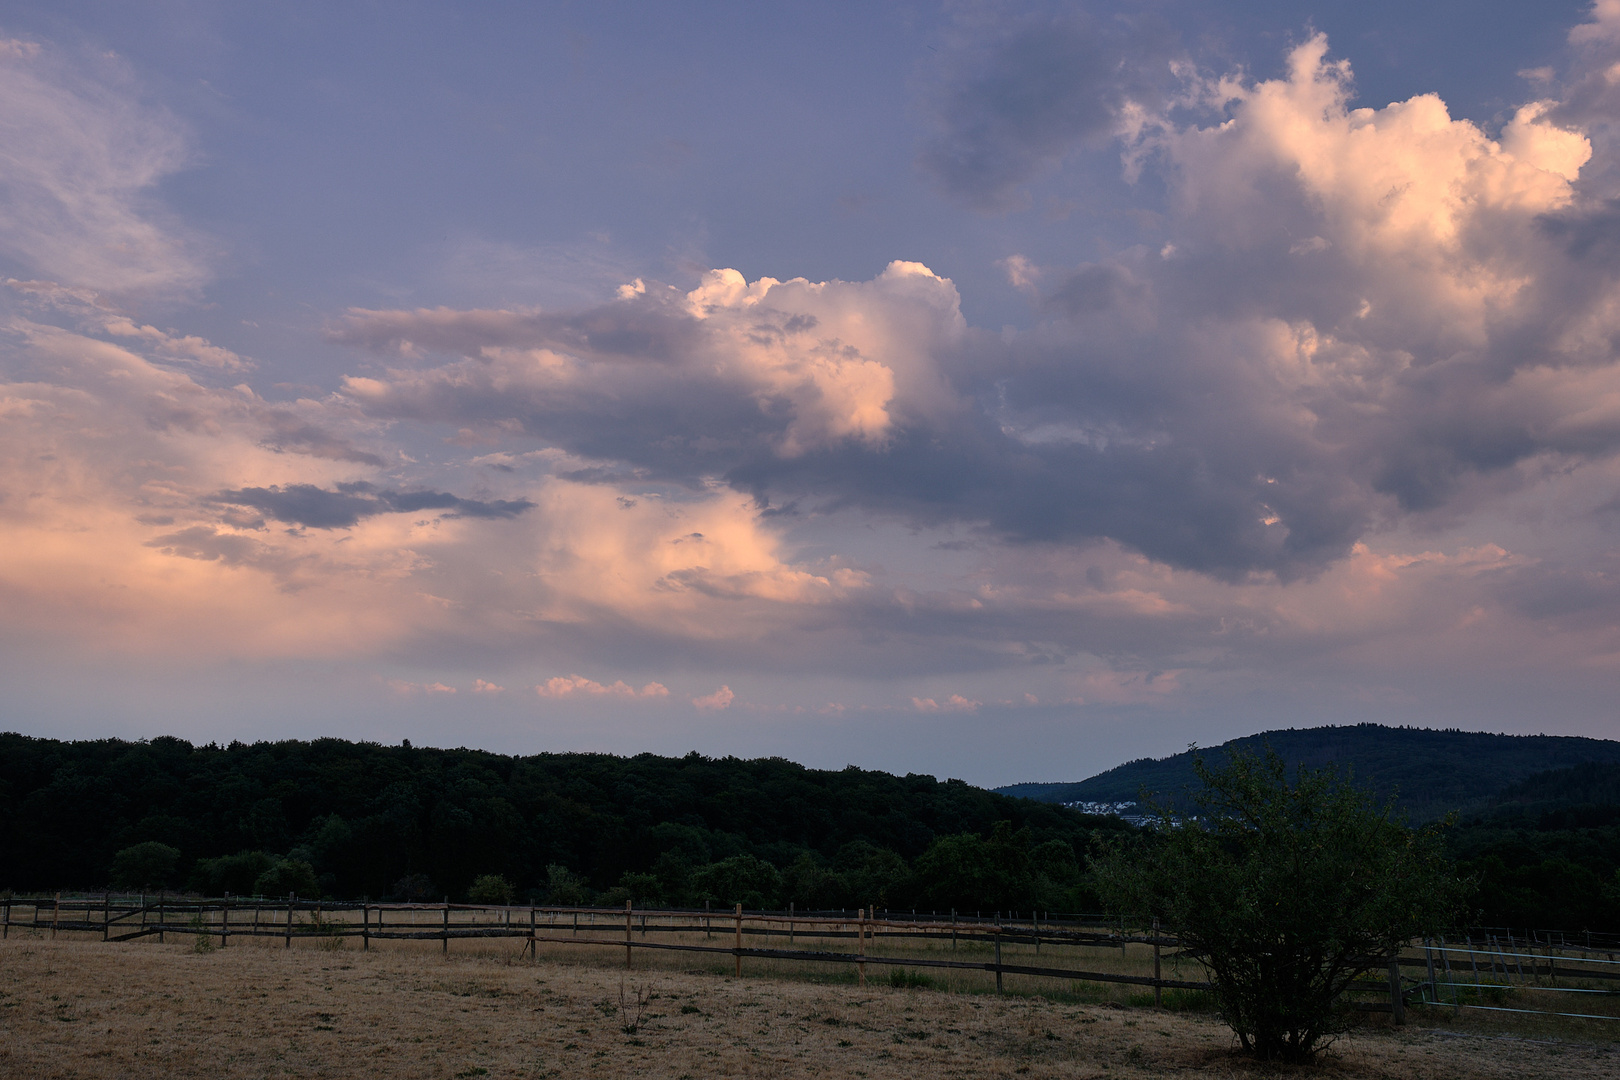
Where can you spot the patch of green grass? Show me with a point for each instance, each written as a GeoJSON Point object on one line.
{"type": "Point", "coordinates": [901, 979]}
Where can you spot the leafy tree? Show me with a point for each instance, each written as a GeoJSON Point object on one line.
{"type": "Point", "coordinates": [743, 879]}
{"type": "Point", "coordinates": [234, 874]}
{"type": "Point", "coordinates": [643, 890]}
{"type": "Point", "coordinates": [145, 866]}
{"type": "Point", "coordinates": [288, 876]}
{"type": "Point", "coordinates": [491, 889]}
{"type": "Point", "coordinates": [969, 872]}
{"type": "Point", "coordinates": [872, 876]}
{"type": "Point", "coordinates": [811, 884]}
{"type": "Point", "coordinates": [1287, 891]}
{"type": "Point", "coordinates": [564, 887]}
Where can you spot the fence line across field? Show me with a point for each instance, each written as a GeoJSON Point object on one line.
{"type": "Point", "coordinates": [1495, 968]}
{"type": "Point", "coordinates": [630, 928]}
{"type": "Point", "coordinates": [1459, 975]}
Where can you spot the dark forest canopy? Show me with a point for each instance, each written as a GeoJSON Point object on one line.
{"type": "Point", "coordinates": [1429, 772]}
{"type": "Point", "coordinates": [378, 821]}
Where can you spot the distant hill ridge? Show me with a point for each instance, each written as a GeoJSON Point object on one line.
{"type": "Point", "coordinates": [1430, 772]}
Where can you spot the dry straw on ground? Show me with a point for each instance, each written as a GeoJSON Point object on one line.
{"type": "Point", "coordinates": [87, 1009]}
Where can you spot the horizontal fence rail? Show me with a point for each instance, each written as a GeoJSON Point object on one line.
{"type": "Point", "coordinates": [1476, 969]}
{"type": "Point", "coordinates": [1490, 965]}
{"type": "Point", "coordinates": [752, 934]}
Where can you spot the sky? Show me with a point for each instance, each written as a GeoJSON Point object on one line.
{"type": "Point", "coordinates": [993, 390]}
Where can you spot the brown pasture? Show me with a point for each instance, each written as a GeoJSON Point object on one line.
{"type": "Point", "coordinates": [83, 1008]}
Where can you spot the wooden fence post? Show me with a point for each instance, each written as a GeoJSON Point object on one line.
{"type": "Point", "coordinates": [708, 927]}
{"type": "Point", "coordinates": [1428, 958]}
{"type": "Point", "coordinates": [1035, 921]}
{"type": "Point", "coordinates": [224, 921]}
{"type": "Point", "coordinates": [860, 944]}
{"type": "Point", "coordinates": [532, 950]}
{"type": "Point", "coordinates": [998, 952]}
{"type": "Point", "coordinates": [56, 915]}
{"type": "Point", "coordinates": [790, 922]}
{"type": "Point", "coordinates": [444, 936]}
{"type": "Point", "coordinates": [738, 951]}
{"type": "Point", "coordinates": [160, 916]}
{"type": "Point", "coordinates": [290, 898]}
{"type": "Point", "coordinates": [1397, 1004]}
{"type": "Point", "coordinates": [1157, 989]}
{"type": "Point", "coordinates": [628, 921]}
{"type": "Point", "coordinates": [365, 926]}
{"type": "Point", "coordinates": [6, 932]}
{"type": "Point", "coordinates": [953, 929]}
{"type": "Point", "coordinates": [106, 915]}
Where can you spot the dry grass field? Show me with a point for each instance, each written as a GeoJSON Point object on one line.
{"type": "Point", "coordinates": [144, 1009]}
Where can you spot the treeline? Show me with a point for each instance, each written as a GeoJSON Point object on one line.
{"type": "Point", "coordinates": [351, 820]}
{"type": "Point", "coordinates": [1546, 853]}
{"type": "Point", "coordinates": [1428, 772]}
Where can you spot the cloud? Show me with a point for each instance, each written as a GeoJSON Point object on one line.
{"type": "Point", "coordinates": [954, 703]}
{"type": "Point", "coordinates": [579, 686]}
{"type": "Point", "coordinates": [1350, 404]}
{"type": "Point", "coordinates": [83, 153]}
{"type": "Point", "coordinates": [407, 689]}
{"type": "Point", "coordinates": [1018, 94]}
{"type": "Point", "coordinates": [720, 699]}
{"type": "Point", "coordinates": [773, 369]}
{"type": "Point", "coordinates": [344, 507]}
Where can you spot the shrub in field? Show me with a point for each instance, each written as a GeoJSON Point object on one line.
{"type": "Point", "coordinates": [643, 890]}
{"type": "Point", "coordinates": [564, 887]}
{"type": "Point", "coordinates": [1287, 891]}
{"type": "Point", "coordinates": [229, 873]}
{"type": "Point", "coordinates": [491, 889]}
{"type": "Point", "coordinates": [288, 876]}
{"type": "Point", "coordinates": [741, 879]}
{"type": "Point", "coordinates": [145, 866]}
{"type": "Point", "coordinates": [201, 942]}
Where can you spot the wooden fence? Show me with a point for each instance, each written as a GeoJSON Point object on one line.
{"type": "Point", "coordinates": [842, 938]}
{"type": "Point", "coordinates": [857, 939]}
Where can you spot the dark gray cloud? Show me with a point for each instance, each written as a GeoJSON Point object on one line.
{"type": "Point", "coordinates": [1019, 93]}
{"type": "Point", "coordinates": [317, 508]}
{"type": "Point", "coordinates": [205, 544]}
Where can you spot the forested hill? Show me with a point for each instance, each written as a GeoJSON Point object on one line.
{"type": "Point", "coordinates": [1430, 772]}
{"type": "Point", "coordinates": [390, 820]}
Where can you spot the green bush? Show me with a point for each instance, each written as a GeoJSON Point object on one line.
{"type": "Point", "coordinates": [288, 876]}
{"type": "Point", "coordinates": [741, 879]}
{"type": "Point", "coordinates": [564, 887]}
{"type": "Point", "coordinates": [235, 874]}
{"type": "Point", "coordinates": [491, 889]}
{"type": "Point", "coordinates": [145, 866]}
{"type": "Point", "coordinates": [1287, 892]}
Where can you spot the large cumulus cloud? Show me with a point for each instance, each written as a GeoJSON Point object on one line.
{"type": "Point", "coordinates": [1352, 316]}
{"type": "Point", "coordinates": [1324, 408]}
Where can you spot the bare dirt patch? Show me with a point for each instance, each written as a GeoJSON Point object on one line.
{"type": "Point", "coordinates": [87, 1009]}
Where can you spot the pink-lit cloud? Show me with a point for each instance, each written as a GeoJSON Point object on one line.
{"type": "Point", "coordinates": [578, 686]}
{"type": "Point", "coordinates": [720, 699]}
{"type": "Point", "coordinates": [1350, 417]}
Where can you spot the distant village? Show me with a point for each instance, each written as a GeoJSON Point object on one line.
{"type": "Point", "coordinates": [1125, 811]}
